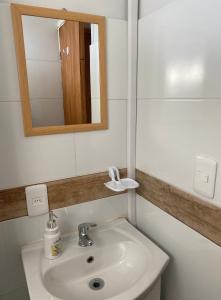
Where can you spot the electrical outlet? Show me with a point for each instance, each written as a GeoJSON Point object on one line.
{"type": "Point", "coordinates": [37, 199]}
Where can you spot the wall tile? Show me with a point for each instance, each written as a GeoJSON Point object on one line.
{"type": "Point", "coordinates": [194, 268]}
{"type": "Point", "coordinates": [28, 155]}
{"type": "Point", "coordinates": [98, 211]}
{"type": "Point", "coordinates": [117, 59]}
{"type": "Point", "coordinates": [36, 159]}
{"type": "Point", "coordinates": [97, 150]}
{"type": "Point", "coordinates": [112, 9]}
{"type": "Point", "coordinates": [3, 262]}
{"type": "Point", "coordinates": [178, 118]}
{"type": "Point", "coordinates": [170, 135]}
{"type": "Point", "coordinates": [180, 58]}
{"type": "Point", "coordinates": [33, 159]}
{"type": "Point", "coordinates": [147, 7]}
{"type": "Point", "coordinates": [8, 76]}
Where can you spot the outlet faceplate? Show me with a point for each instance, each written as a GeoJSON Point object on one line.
{"type": "Point", "coordinates": [205, 176]}
{"type": "Point", "coordinates": [37, 199]}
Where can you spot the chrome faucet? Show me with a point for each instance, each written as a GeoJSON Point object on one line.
{"type": "Point", "coordinates": [84, 239]}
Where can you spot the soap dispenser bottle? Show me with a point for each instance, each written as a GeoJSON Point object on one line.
{"type": "Point", "coordinates": [52, 238]}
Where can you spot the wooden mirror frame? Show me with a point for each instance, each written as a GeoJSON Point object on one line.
{"type": "Point", "coordinates": [17, 12]}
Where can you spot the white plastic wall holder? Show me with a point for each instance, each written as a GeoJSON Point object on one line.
{"type": "Point", "coordinates": [119, 185]}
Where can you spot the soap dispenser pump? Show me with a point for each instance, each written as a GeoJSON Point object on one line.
{"type": "Point", "coordinates": [52, 238]}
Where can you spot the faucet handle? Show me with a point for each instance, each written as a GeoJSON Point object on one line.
{"type": "Point", "coordinates": [92, 224]}
{"type": "Point", "coordinates": [84, 227]}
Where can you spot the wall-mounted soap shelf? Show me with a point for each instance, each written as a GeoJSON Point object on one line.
{"type": "Point", "coordinates": [119, 185]}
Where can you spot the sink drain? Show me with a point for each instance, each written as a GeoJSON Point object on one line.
{"type": "Point", "coordinates": [96, 284]}
{"type": "Point", "coordinates": [90, 259]}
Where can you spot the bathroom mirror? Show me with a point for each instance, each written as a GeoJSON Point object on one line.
{"type": "Point", "coordinates": [62, 72]}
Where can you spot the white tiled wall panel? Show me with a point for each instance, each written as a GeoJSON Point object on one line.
{"type": "Point", "coordinates": [18, 232]}
{"type": "Point", "coordinates": [9, 88]}
{"type": "Point", "coordinates": [179, 51]}
{"type": "Point", "coordinates": [195, 262]}
{"type": "Point", "coordinates": [148, 6]}
{"type": "Point", "coordinates": [36, 159]}
{"type": "Point", "coordinates": [171, 133]}
{"type": "Point", "coordinates": [31, 160]}
{"type": "Point", "coordinates": [117, 59]}
{"type": "Point", "coordinates": [178, 117]}
{"type": "Point", "coordinates": [112, 9]}
{"type": "Point", "coordinates": [98, 150]}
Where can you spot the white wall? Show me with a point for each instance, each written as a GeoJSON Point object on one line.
{"type": "Point", "coordinates": [25, 161]}
{"type": "Point", "coordinates": [178, 117]}
{"type": "Point", "coordinates": [148, 6]}
{"type": "Point", "coordinates": [111, 9]}
{"type": "Point", "coordinates": [45, 158]}
{"type": "Point", "coordinates": [194, 270]}
{"type": "Point", "coordinates": [179, 90]}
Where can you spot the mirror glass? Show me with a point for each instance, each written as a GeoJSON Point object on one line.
{"type": "Point", "coordinates": [62, 60]}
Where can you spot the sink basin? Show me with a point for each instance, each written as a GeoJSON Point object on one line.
{"type": "Point", "coordinates": [122, 265]}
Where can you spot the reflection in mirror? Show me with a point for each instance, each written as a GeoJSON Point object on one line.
{"type": "Point", "coordinates": [62, 59]}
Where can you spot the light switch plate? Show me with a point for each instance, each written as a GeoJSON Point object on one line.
{"type": "Point", "coordinates": [205, 176]}
{"type": "Point", "coordinates": [37, 199]}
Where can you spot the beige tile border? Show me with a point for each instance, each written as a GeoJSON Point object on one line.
{"type": "Point", "coordinates": [199, 215]}
{"type": "Point", "coordinates": [61, 193]}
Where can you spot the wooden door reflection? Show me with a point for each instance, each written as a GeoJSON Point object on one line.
{"type": "Point", "coordinates": [75, 39]}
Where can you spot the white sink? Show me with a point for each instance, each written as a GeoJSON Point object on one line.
{"type": "Point", "coordinates": [126, 261]}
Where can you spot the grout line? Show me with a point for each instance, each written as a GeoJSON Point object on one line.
{"type": "Point", "coordinates": [114, 99]}
{"type": "Point", "coordinates": [180, 99]}
{"type": "Point", "coordinates": [9, 99]}
{"type": "Point", "coordinates": [155, 9]}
